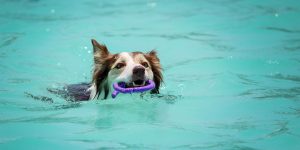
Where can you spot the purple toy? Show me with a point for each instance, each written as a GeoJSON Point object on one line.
{"type": "Point", "coordinates": [120, 87]}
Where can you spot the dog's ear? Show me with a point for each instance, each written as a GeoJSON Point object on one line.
{"type": "Point", "coordinates": [100, 51]}
{"type": "Point", "coordinates": [156, 69]}
{"type": "Point", "coordinates": [101, 67]}
{"type": "Point", "coordinates": [153, 54]}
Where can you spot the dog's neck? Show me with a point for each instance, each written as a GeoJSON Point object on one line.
{"type": "Point", "coordinates": [92, 91]}
{"type": "Point", "coordinates": [105, 88]}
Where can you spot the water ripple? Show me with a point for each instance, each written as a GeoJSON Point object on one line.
{"type": "Point", "coordinates": [283, 129]}
{"type": "Point", "coordinates": [279, 29]}
{"type": "Point", "coordinates": [288, 93]}
{"type": "Point", "coordinates": [285, 77]}
{"type": "Point", "coordinates": [45, 119]}
{"type": "Point", "coordinates": [19, 80]}
{"type": "Point", "coordinates": [188, 36]}
{"type": "Point", "coordinates": [55, 107]}
{"type": "Point", "coordinates": [246, 79]}
{"type": "Point", "coordinates": [190, 61]}
{"type": "Point", "coordinates": [295, 112]}
{"type": "Point", "coordinates": [40, 98]}
{"type": "Point", "coordinates": [231, 144]}
{"type": "Point", "coordinates": [7, 39]}
{"type": "Point", "coordinates": [239, 125]}
{"type": "Point", "coordinates": [34, 17]}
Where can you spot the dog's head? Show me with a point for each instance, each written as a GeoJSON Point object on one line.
{"type": "Point", "coordinates": [133, 68]}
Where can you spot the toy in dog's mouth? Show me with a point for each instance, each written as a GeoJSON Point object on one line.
{"type": "Point", "coordinates": [136, 83]}
{"type": "Point", "coordinates": [133, 87]}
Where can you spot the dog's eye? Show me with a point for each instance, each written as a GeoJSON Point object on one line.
{"type": "Point", "coordinates": [120, 65]}
{"type": "Point", "coordinates": [145, 64]}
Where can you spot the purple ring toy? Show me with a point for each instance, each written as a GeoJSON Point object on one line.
{"type": "Point", "coordinates": [120, 88]}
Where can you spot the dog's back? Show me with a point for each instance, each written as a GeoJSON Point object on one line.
{"type": "Point", "coordinates": [73, 92]}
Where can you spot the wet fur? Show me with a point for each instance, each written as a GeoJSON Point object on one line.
{"type": "Point", "coordinates": [103, 62]}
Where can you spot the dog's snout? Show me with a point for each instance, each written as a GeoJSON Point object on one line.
{"type": "Point", "coordinates": [138, 71]}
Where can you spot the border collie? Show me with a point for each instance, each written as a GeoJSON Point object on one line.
{"type": "Point", "coordinates": [133, 68]}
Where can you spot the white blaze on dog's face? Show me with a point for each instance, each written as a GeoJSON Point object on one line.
{"type": "Point", "coordinates": [132, 68]}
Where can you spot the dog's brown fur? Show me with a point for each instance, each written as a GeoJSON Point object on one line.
{"type": "Point", "coordinates": [156, 69]}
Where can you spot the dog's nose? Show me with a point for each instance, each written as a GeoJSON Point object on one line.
{"type": "Point", "coordinates": [138, 71]}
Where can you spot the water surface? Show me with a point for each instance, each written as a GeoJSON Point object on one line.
{"type": "Point", "coordinates": [231, 70]}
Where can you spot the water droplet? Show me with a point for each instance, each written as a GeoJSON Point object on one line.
{"type": "Point", "coordinates": [58, 64]}
{"type": "Point", "coordinates": [272, 62]}
{"type": "Point", "coordinates": [181, 87]}
{"type": "Point", "coordinates": [52, 11]}
{"type": "Point", "coordinates": [89, 51]}
{"type": "Point", "coordinates": [152, 4]}
{"type": "Point", "coordinates": [276, 15]}
{"type": "Point", "coordinates": [85, 47]}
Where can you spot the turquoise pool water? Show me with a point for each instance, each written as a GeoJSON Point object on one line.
{"type": "Point", "coordinates": [231, 69]}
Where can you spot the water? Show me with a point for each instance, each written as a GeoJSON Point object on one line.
{"type": "Point", "coordinates": [231, 70]}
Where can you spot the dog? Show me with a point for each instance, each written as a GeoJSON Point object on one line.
{"type": "Point", "coordinates": [133, 68]}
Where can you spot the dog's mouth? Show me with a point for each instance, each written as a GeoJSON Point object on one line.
{"type": "Point", "coordinates": [136, 83]}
